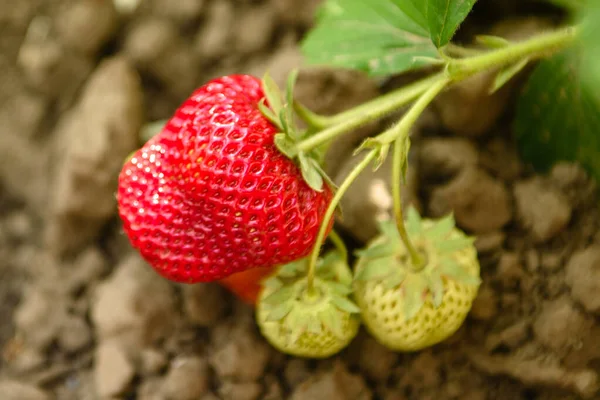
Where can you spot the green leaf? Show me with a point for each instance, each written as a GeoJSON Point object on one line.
{"type": "Point", "coordinates": [279, 311]}
{"type": "Point", "coordinates": [506, 74]}
{"type": "Point", "coordinates": [492, 42]}
{"type": "Point", "coordinates": [444, 17]}
{"type": "Point", "coordinates": [310, 174]}
{"type": "Point", "coordinates": [457, 272]}
{"type": "Point", "coordinates": [414, 288]}
{"type": "Point", "coordinates": [558, 116]}
{"type": "Point", "coordinates": [284, 145]}
{"type": "Point", "coordinates": [380, 37]}
{"type": "Point", "coordinates": [570, 5]}
{"type": "Point", "coordinates": [377, 268]}
{"type": "Point", "coordinates": [588, 38]}
{"type": "Point", "coordinates": [344, 304]}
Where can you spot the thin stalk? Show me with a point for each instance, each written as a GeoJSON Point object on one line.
{"type": "Point", "coordinates": [397, 161]}
{"type": "Point", "coordinates": [329, 214]}
{"type": "Point", "coordinates": [536, 46]}
{"type": "Point", "coordinates": [339, 244]}
{"type": "Point", "coordinates": [368, 112]}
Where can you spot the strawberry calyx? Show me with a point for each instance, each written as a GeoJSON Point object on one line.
{"type": "Point", "coordinates": [279, 110]}
{"type": "Point", "coordinates": [316, 312]}
{"type": "Point", "coordinates": [439, 243]}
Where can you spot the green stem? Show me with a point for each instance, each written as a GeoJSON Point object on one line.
{"type": "Point", "coordinates": [339, 244]}
{"type": "Point", "coordinates": [367, 112]}
{"type": "Point", "coordinates": [402, 128]}
{"type": "Point", "coordinates": [537, 46]}
{"type": "Point", "coordinates": [397, 161]}
{"type": "Point", "coordinates": [329, 213]}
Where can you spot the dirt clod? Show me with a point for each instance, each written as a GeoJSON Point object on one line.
{"type": "Point", "coordinates": [113, 371]}
{"type": "Point", "coordinates": [543, 209]}
{"type": "Point", "coordinates": [15, 390]}
{"type": "Point", "coordinates": [337, 384]}
{"type": "Point", "coordinates": [187, 379]}
{"type": "Point", "coordinates": [480, 203]}
{"type": "Point", "coordinates": [583, 277]}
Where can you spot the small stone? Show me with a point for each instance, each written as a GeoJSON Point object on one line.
{"type": "Point", "coordinates": [337, 384]}
{"type": "Point", "coordinates": [510, 269]}
{"type": "Point", "coordinates": [485, 305]}
{"type": "Point", "coordinates": [75, 334]}
{"type": "Point", "coordinates": [480, 203]}
{"type": "Point", "coordinates": [87, 25]}
{"type": "Point", "coordinates": [552, 261]}
{"type": "Point", "coordinates": [375, 360]}
{"type": "Point", "coordinates": [299, 13]}
{"type": "Point", "coordinates": [511, 337]}
{"type": "Point", "coordinates": [85, 269]}
{"type": "Point", "coordinates": [15, 390]}
{"type": "Point", "coordinates": [152, 361]}
{"type": "Point", "coordinates": [26, 360]}
{"type": "Point", "coordinates": [445, 157]}
{"type": "Point", "coordinates": [212, 39]}
{"type": "Point", "coordinates": [243, 358]}
{"type": "Point", "coordinates": [95, 137]}
{"type": "Point", "coordinates": [273, 390]}
{"type": "Point", "coordinates": [240, 390]}
{"type": "Point", "coordinates": [583, 277]}
{"type": "Point", "coordinates": [544, 210]}
{"type": "Point", "coordinates": [187, 379]}
{"type": "Point", "coordinates": [134, 304]}
{"type": "Point", "coordinates": [254, 28]}
{"type": "Point", "coordinates": [181, 11]}
{"type": "Point", "coordinates": [296, 371]}
{"type": "Point", "coordinates": [489, 242]}
{"type": "Point", "coordinates": [151, 389]}
{"type": "Point", "coordinates": [40, 315]}
{"type": "Point", "coordinates": [204, 303]}
{"type": "Point", "coordinates": [112, 370]}
{"type": "Point", "coordinates": [532, 260]}
{"type": "Point", "coordinates": [18, 225]}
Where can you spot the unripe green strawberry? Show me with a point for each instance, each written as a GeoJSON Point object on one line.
{"type": "Point", "coordinates": [302, 324]}
{"type": "Point", "coordinates": [407, 309]}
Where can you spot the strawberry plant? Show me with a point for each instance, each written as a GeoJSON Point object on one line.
{"type": "Point", "coordinates": [232, 185]}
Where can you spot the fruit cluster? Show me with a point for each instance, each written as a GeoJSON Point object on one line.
{"type": "Point", "coordinates": [231, 191]}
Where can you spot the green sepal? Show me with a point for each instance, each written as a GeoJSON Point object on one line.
{"type": "Point", "coordinates": [272, 283]}
{"type": "Point", "coordinates": [340, 289]}
{"type": "Point", "coordinates": [396, 279]}
{"type": "Point", "coordinates": [453, 244]}
{"type": "Point", "coordinates": [405, 149]}
{"type": "Point", "coordinates": [310, 174]}
{"type": "Point", "coordinates": [414, 287]}
{"type": "Point", "coordinates": [389, 230]}
{"type": "Point", "coordinates": [285, 145]}
{"type": "Point", "coordinates": [313, 325]}
{"type": "Point", "coordinates": [283, 294]}
{"type": "Point", "coordinates": [272, 93]}
{"type": "Point", "coordinates": [453, 270]}
{"type": "Point", "coordinates": [344, 304]}
{"type": "Point", "coordinates": [331, 319]}
{"type": "Point", "coordinates": [279, 311]}
{"type": "Point", "coordinates": [441, 228]}
{"type": "Point", "coordinates": [413, 222]}
{"type": "Point", "coordinates": [507, 73]}
{"type": "Point", "coordinates": [377, 268]}
{"type": "Point", "coordinates": [436, 286]}
{"type": "Point", "coordinates": [269, 114]}
{"type": "Point", "coordinates": [296, 322]}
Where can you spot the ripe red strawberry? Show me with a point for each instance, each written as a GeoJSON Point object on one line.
{"type": "Point", "coordinates": [247, 285]}
{"type": "Point", "coordinates": [211, 195]}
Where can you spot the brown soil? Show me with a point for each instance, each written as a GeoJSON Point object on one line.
{"type": "Point", "coordinates": [84, 318]}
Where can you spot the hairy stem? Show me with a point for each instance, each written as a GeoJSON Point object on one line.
{"type": "Point", "coordinates": [537, 46]}
{"type": "Point", "coordinates": [361, 115]}
{"type": "Point", "coordinates": [329, 214]}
